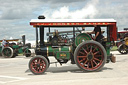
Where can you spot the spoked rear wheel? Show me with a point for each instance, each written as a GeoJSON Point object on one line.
{"type": "Point", "coordinates": [90, 56]}
{"type": "Point", "coordinates": [38, 65]}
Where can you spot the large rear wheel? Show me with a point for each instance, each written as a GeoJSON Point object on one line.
{"type": "Point", "coordinates": [7, 52]}
{"type": "Point", "coordinates": [90, 56]}
{"type": "Point", "coordinates": [38, 65]}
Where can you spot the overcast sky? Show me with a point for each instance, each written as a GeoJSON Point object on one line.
{"type": "Point", "coordinates": [16, 14]}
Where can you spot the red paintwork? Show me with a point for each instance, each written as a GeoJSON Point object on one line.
{"type": "Point", "coordinates": [69, 24]}
{"type": "Point", "coordinates": [113, 32]}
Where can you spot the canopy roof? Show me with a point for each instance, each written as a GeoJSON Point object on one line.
{"type": "Point", "coordinates": [9, 40]}
{"type": "Point", "coordinates": [71, 22]}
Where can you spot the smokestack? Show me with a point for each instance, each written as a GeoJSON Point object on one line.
{"type": "Point", "coordinates": [23, 40]}
{"type": "Point", "coordinates": [41, 17]}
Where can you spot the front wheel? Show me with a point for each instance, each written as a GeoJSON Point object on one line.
{"type": "Point", "coordinates": [38, 65]}
{"type": "Point", "coordinates": [90, 56]}
{"type": "Point", "coordinates": [27, 53]}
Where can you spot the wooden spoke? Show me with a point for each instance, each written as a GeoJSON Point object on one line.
{"type": "Point", "coordinates": [82, 60]}
{"type": "Point", "coordinates": [87, 47]}
{"type": "Point", "coordinates": [34, 66]}
{"type": "Point", "coordinates": [88, 65]}
{"type": "Point", "coordinates": [98, 56]}
{"type": "Point", "coordinates": [85, 62]}
{"type": "Point", "coordinates": [91, 49]}
{"type": "Point", "coordinates": [82, 53]}
{"type": "Point", "coordinates": [96, 52]}
{"type": "Point", "coordinates": [38, 61]}
{"type": "Point", "coordinates": [81, 56]}
{"type": "Point", "coordinates": [34, 62]}
{"type": "Point", "coordinates": [85, 50]}
{"type": "Point", "coordinates": [95, 62]}
{"type": "Point", "coordinates": [92, 64]}
{"type": "Point", "coordinates": [97, 59]}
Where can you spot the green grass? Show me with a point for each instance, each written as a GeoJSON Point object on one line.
{"type": "Point", "coordinates": [114, 48]}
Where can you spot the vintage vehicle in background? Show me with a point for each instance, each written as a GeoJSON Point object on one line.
{"type": "Point", "coordinates": [68, 42]}
{"type": "Point", "coordinates": [12, 49]}
{"type": "Point", "coordinates": [8, 44]}
{"type": "Point", "coordinates": [122, 42]}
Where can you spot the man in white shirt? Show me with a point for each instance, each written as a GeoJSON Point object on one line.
{"type": "Point", "coordinates": [3, 43]}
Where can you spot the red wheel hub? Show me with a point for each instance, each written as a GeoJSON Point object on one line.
{"type": "Point", "coordinates": [90, 56]}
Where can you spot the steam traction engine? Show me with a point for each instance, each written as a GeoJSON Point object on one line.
{"type": "Point", "coordinates": [11, 50]}
{"type": "Point", "coordinates": [89, 55]}
{"type": "Point", "coordinates": [122, 42]}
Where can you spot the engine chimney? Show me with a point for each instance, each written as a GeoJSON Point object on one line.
{"type": "Point", "coordinates": [23, 40]}
{"type": "Point", "coordinates": [41, 17]}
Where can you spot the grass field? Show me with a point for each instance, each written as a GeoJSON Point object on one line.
{"type": "Point", "coordinates": [114, 48]}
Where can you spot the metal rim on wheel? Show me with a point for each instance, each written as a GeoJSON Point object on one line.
{"type": "Point", "coordinates": [90, 56]}
{"type": "Point", "coordinates": [7, 52]}
{"type": "Point", "coordinates": [38, 65]}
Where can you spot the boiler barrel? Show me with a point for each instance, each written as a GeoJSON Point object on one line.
{"type": "Point", "coordinates": [51, 51]}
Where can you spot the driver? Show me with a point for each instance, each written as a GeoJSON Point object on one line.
{"type": "Point", "coordinates": [98, 34]}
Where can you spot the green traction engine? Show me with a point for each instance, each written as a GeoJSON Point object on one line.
{"type": "Point", "coordinates": [11, 50]}
{"type": "Point", "coordinates": [75, 45]}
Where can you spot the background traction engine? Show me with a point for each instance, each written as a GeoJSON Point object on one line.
{"type": "Point", "coordinates": [13, 49]}
{"type": "Point", "coordinates": [122, 44]}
